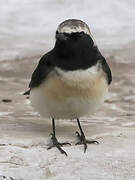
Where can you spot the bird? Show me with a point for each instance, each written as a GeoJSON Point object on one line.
{"type": "Point", "coordinates": [71, 80]}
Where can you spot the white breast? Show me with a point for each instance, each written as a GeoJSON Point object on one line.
{"type": "Point", "coordinates": [70, 94]}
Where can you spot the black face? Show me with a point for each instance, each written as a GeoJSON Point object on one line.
{"type": "Point", "coordinates": [75, 51]}
{"type": "Point", "coordinates": [73, 43]}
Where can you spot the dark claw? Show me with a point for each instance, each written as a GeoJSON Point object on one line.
{"type": "Point", "coordinates": [61, 150]}
{"type": "Point", "coordinates": [78, 143]}
{"type": "Point", "coordinates": [57, 144]}
{"type": "Point", "coordinates": [85, 147]}
{"type": "Point", "coordinates": [65, 143]}
{"type": "Point", "coordinates": [78, 134]}
{"type": "Point", "coordinates": [82, 140]}
{"type": "Point", "coordinates": [92, 142]}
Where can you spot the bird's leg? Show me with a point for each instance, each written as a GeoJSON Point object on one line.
{"type": "Point", "coordinates": [82, 139]}
{"type": "Point", "coordinates": [55, 142]}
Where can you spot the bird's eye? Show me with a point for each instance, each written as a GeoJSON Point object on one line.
{"type": "Point", "coordinates": [57, 32]}
{"type": "Point", "coordinates": [66, 34]}
{"type": "Point", "coordinates": [77, 35]}
{"type": "Point", "coordinates": [81, 33]}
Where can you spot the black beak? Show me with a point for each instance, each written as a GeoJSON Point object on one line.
{"type": "Point", "coordinates": [61, 36]}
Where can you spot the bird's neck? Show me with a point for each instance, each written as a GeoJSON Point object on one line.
{"type": "Point", "coordinates": [64, 50]}
{"type": "Point", "coordinates": [70, 58]}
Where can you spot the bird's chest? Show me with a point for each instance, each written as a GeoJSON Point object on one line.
{"type": "Point", "coordinates": [79, 84]}
{"type": "Point", "coordinates": [70, 95]}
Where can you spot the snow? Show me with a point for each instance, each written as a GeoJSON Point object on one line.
{"type": "Point", "coordinates": [27, 157]}
{"type": "Point", "coordinates": [28, 27]}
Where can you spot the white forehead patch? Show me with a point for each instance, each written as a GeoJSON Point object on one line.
{"type": "Point", "coordinates": [73, 25]}
{"type": "Point", "coordinates": [73, 29]}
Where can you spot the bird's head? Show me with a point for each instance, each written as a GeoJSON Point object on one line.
{"type": "Point", "coordinates": [75, 47]}
{"type": "Point", "coordinates": [74, 33]}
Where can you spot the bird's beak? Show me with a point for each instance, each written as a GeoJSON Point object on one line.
{"type": "Point", "coordinates": [61, 36]}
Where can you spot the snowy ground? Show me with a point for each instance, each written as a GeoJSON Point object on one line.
{"type": "Point", "coordinates": [24, 135]}
{"type": "Point", "coordinates": [26, 32]}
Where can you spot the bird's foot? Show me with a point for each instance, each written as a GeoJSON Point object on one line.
{"type": "Point", "coordinates": [82, 140]}
{"type": "Point", "coordinates": [57, 144]}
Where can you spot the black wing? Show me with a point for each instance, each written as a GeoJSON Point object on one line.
{"type": "Point", "coordinates": [42, 70]}
{"type": "Point", "coordinates": [107, 71]}
{"type": "Point", "coordinates": [104, 64]}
